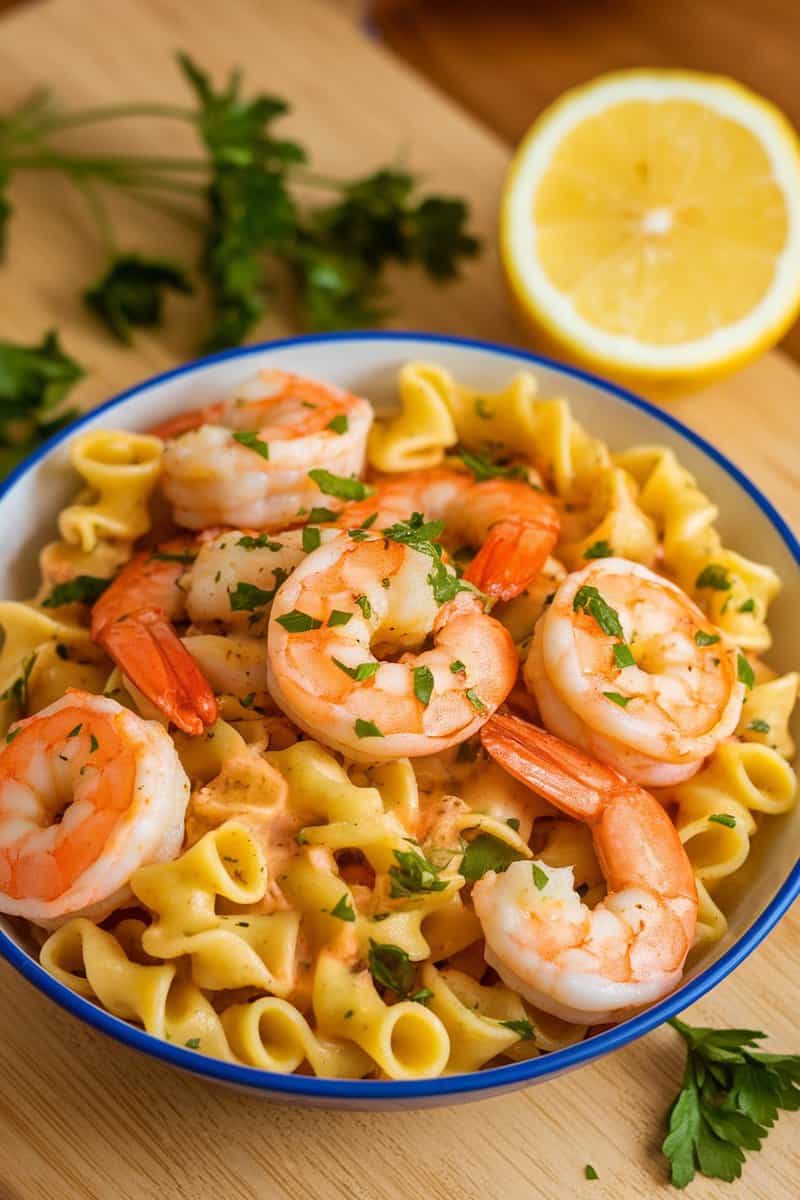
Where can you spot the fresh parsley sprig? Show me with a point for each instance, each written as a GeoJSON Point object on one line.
{"type": "Point", "coordinates": [34, 384]}
{"type": "Point", "coordinates": [730, 1097]}
{"type": "Point", "coordinates": [240, 194]}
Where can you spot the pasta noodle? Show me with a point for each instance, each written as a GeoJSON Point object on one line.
{"type": "Point", "coordinates": [120, 471]}
{"type": "Point", "coordinates": [325, 915]}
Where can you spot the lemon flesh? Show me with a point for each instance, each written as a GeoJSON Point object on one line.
{"type": "Point", "coordinates": [652, 223]}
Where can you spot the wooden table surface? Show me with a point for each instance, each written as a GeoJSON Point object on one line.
{"type": "Point", "coordinates": [81, 1117]}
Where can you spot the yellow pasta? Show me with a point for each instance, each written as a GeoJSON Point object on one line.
{"type": "Point", "coordinates": [319, 914]}
{"type": "Point", "coordinates": [766, 713]}
{"type": "Point", "coordinates": [418, 436]}
{"type": "Point", "coordinates": [406, 1040]}
{"type": "Point", "coordinates": [120, 471]}
{"type": "Point", "coordinates": [271, 1034]}
{"type": "Point", "coordinates": [738, 592]}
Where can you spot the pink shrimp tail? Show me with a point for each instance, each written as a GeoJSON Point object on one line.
{"type": "Point", "coordinates": [562, 774]}
{"type": "Point", "coordinates": [146, 647]}
{"type": "Point", "coordinates": [512, 556]}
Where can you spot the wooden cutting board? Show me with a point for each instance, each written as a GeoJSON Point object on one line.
{"type": "Point", "coordinates": [82, 1117]}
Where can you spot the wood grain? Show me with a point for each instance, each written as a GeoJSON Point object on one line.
{"type": "Point", "coordinates": [84, 1119]}
{"type": "Point", "coordinates": [506, 62]}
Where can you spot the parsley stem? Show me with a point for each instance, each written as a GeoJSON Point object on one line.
{"type": "Point", "coordinates": [99, 213]}
{"type": "Point", "coordinates": [113, 112]}
{"type": "Point", "coordinates": [46, 158]}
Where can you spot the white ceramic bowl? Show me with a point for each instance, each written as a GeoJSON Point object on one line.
{"type": "Point", "coordinates": [368, 363]}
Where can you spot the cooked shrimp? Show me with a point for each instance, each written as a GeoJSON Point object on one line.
{"type": "Point", "coordinates": [245, 461]}
{"type": "Point", "coordinates": [133, 622]}
{"type": "Point", "coordinates": [514, 525]}
{"type": "Point", "coordinates": [350, 597]}
{"type": "Point", "coordinates": [587, 965]}
{"type": "Point", "coordinates": [626, 666]}
{"type": "Point", "coordinates": [235, 575]}
{"type": "Point", "coordinates": [89, 792]}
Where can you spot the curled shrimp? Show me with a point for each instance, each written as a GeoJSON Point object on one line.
{"type": "Point", "coordinates": [350, 598]}
{"type": "Point", "coordinates": [245, 461]}
{"type": "Point", "coordinates": [133, 622]}
{"type": "Point", "coordinates": [89, 792]}
{"type": "Point", "coordinates": [588, 966]}
{"type": "Point", "coordinates": [652, 696]}
{"type": "Point", "coordinates": [514, 525]}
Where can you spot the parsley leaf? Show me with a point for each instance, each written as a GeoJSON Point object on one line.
{"type": "Point", "coordinates": [423, 684]}
{"type": "Point", "coordinates": [759, 725]}
{"type": "Point", "coordinates": [261, 542]}
{"type": "Point", "coordinates": [343, 909]}
{"type": "Point", "coordinates": [338, 485]}
{"type": "Point", "coordinates": [475, 700]}
{"type": "Point", "coordinates": [730, 1097]}
{"type": "Point", "coordinates": [246, 597]}
{"type": "Point", "coordinates": [391, 967]}
{"type": "Point", "coordinates": [83, 589]}
{"type": "Point", "coordinates": [748, 605]}
{"type": "Point", "coordinates": [312, 538]}
{"type": "Point", "coordinates": [363, 671]}
{"type": "Point", "coordinates": [486, 853]}
{"type": "Point", "coordinates": [623, 655]}
{"type": "Point", "coordinates": [366, 729]}
{"type": "Point", "coordinates": [338, 617]}
{"type": "Point", "coordinates": [723, 819]}
{"type": "Point", "coordinates": [18, 690]}
{"type": "Point", "coordinates": [483, 468]}
{"type": "Point", "coordinates": [415, 875]}
{"type": "Point", "coordinates": [744, 671]}
{"type": "Point", "coordinates": [599, 549]}
{"type": "Point", "coordinates": [524, 1029]}
{"type": "Point", "coordinates": [616, 698]}
{"type": "Point", "coordinates": [34, 383]}
{"type": "Point", "coordinates": [714, 576]}
{"type": "Point", "coordinates": [705, 639]}
{"type": "Point", "coordinates": [540, 877]}
{"type": "Point", "coordinates": [319, 516]}
{"type": "Point", "coordinates": [130, 292]}
{"type": "Point", "coordinates": [298, 622]}
{"type": "Point", "coordinates": [338, 424]}
{"type": "Point", "coordinates": [365, 606]}
{"type": "Point", "coordinates": [250, 439]}
{"type": "Point", "coordinates": [589, 599]}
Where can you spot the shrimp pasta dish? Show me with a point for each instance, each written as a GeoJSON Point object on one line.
{"type": "Point", "coordinates": [383, 748]}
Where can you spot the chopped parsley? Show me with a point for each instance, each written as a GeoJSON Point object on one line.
{"type": "Point", "coordinates": [250, 439]}
{"type": "Point", "coordinates": [484, 468]}
{"type": "Point", "coordinates": [83, 589]}
{"type": "Point", "coordinates": [723, 819]}
{"type": "Point", "coordinates": [320, 516]}
{"type": "Point", "coordinates": [706, 639]}
{"type": "Point", "coordinates": [589, 1172]}
{"type": "Point", "coordinates": [10, 736]}
{"type": "Point", "coordinates": [358, 535]}
{"type": "Point", "coordinates": [365, 606]}
{"type": "Point", "coordinates": [422, 996]}
{"type": "Point", "coordinates": [758, 725]}
{"type": "Point", "coordinates": [482, 408]}
{"type": "Point", "coordinates": [365, 729]}
{"type": "Point", "coordinates": [262, 542]}
{"type": "Point", "coordinates": [343, 910]}
{"type": "Point", "coordinates": [246, 597]}
{"type": "Point", "coordinates": [599, 549]}
{"type": "Point", "coordinates": [524, 1030]}
{"type": "Point", "coordinates": [247, 701]}
{"type": "Point", "coordinates": [165, 556]}
{"type": "Point", "coordinates": [18, 691]}
{"type": "Point", "coordinates": [623, 656]}
{"type": "Point", "coordinates": [74, 732]}
{"type": "Point", "coordinates": [589, 599]}
{"type": "Point", "coordinates": [540, 876]}
{"type": "Point", "coordinates": [312, 539]}
{"type": "Point", "coordinates": [748, 605]}
{"type": "Point", "coordinates": [423, 684]}
{"type": "Point", "coordinates": [339, 486]}
{"type": "Point", "coordinates": [93, 744]}
{"type": "Point", "coordinates": [363, 671]}
{"type": "Point", "coordinates": [486, 853]}
{"type": "Point", "coordinates": [457, 665]}
{"type": "Point", "coordinates": [415, 875]}
{"type": "Point", "coordinates": [513, 823]}
{"type": "Point", "coordinates": [714, 576]}
{"type": "Point", "coordinates": [616, 698]}
{"type": "Point", "coordinates": [339, 423]}
{"type": "Point", "coordinates": [193, 1043]}
{"type": "Point", "coordinates": [475, 700]}
{"type": "Point", "coordinates": [744, 671]}
{"type": "Point", "coordinates": [298, 622]}
{"type": "Point", "coordinates": [391, 967]}
{"type": "Point", "coordinates": [338, 617]}
{"type": "Point", "coordinates": [369, 521]}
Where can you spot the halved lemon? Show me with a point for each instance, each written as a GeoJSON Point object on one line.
{"type": "Point", "coordinates": [651, 225]}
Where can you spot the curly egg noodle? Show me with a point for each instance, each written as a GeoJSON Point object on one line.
{"type": "Point", "coordinates": [318, 914]}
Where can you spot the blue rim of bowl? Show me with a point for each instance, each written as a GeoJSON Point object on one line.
{"type": "Point", "coordinates": [476, 1082]}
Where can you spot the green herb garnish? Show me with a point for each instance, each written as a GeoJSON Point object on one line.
{"type": "Point", "coordinates": [715, 577]}
{"type": "Point", "coordinates": [83, 589]}
{"type": "Point", "coordinates": [486, 853]}
{"type": "Point", "coordinates": [744, 671]}
{"type": "Point", "coordinates": [311, 538]}
{"type": "Point", "coordinates": [363, 671]}
{"type": "Point", "coordinates": [723, 819]}
{"type": "Point", "coordinates": [339, 423]}
{"type": "Point", "coordinates": [343, 909]}
{"type": "Point", "coordinates": [759, 725]}
{"type": "Point", "coordinates": [391, 967]}
{"type": "Point", "coordinates": [524, 1029]}
{"type": "Point", "coordinates": [616, 698]}
{"type": "Point", "coordinates": [599, 549]}
{"type": "Point", "coordinates": [540, 877]}
{"type": "Point", "coordinates": [365, 729]}
{"type": "Point", "coordinates": [623, 655]}
{"type": "Point", "coordinates": [298, 622]}
{"type": "Point", "coordinates": [423, 684]}
{"type": "Point", "coordinates": [414, 876]}
{"type": "Point", "coordinates": [589, 599]}
{"type": "Point", "coordinates": [338, 485]}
